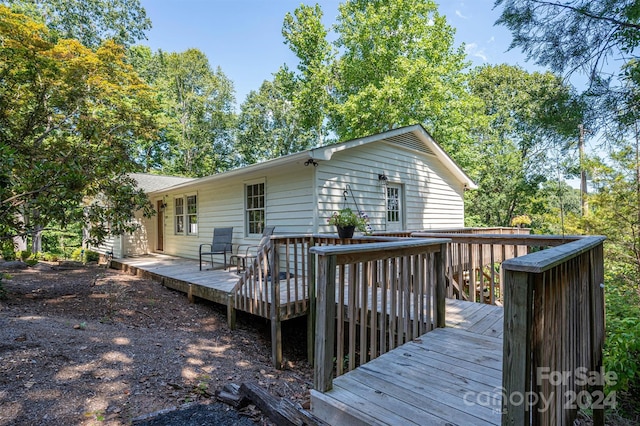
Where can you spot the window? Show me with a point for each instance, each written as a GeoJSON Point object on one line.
{"type": "Point", "coordinates": [393, 204]}
{"type": "Point", "coordinates": [179, 213]}
{"type": "Point", "coordinates": [186, 220]}
{"type": "Point", "coordinates": [255, 208]}
{"type": "Point", "coordinates": [192, 215]}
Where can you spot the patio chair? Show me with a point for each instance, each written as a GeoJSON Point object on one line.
{"type": "Point", "coordinates": [250, 251]}
{"type": "Point", "coordinates": [221, 244]}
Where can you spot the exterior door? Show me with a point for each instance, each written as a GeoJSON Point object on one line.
{"type": "Point", "coordinates": [160, 225]}
{"type": "Point", "coordinates": [395, 208]}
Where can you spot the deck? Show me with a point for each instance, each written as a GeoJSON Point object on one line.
{"type": "Point", "coordinates": [448, 376]}
{"type": "Point", "coordinates": [463, 359]}
{"type": "Point", "coordinates": [389, 371]}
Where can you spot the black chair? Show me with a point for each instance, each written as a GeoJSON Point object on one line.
{"type": "Point", "coordinates": [221, 244]}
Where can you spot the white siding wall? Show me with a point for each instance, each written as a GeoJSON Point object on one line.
{"type": "Point", "coordinates": [289, 207]}
{"type": "Point", "coordinates": [300, 199]}
{"type": "Point", "coordinates": [433, 198]}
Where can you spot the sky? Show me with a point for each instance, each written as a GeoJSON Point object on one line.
{"type": "Point", "coordinates": [244, 37]}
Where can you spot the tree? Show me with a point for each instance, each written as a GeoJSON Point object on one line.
{"type": "Point", "coordinates": [90, 21]}
{"type": "Point", "coordinates": [304, 33]}
{"type": "Point", "coordinates": [532, 116]}
{"type": "Point", "coordinates": [399, 67]}
{"type": "Point", "coordinates": [68, 117]}
{"type": "Point", "coordinates": [269, 125]}
{"type": "Point", "coordinates": [579, 35]}
{"type": "Point", "coordinates": [196, 113]}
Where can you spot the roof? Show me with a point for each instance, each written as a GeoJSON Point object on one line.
{"type": "Point", "coordinates": [150, 183]}
{"type": "Point", "coordinates": [413, 137]}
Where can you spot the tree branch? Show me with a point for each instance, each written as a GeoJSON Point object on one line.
{"type": "Point", "coordinates": [589, 15]}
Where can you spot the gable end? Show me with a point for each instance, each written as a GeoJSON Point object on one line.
{"type": "Point", "coordinates": [411, 141]}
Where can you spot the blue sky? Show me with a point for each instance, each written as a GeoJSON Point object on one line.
{"type": "Point", "coordinates": [244, 37]}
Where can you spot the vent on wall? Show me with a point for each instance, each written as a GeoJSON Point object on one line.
{"type": "Point", "coordinates": [411, 141]}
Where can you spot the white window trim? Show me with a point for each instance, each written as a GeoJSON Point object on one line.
{"type": "Point", "coordinates": [185, 215]}
{"type": "Point", "coordinates": [246, 210]}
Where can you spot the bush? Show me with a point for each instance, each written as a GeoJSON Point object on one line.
{"type": "Point", "coordinates": [622, 344]}
{"type": "Point", "coordinates": [91, 256]}
{"type": "Point", "coordinates": [50, 257]}
{"type": "Point", "coordinates": [83, 255]}
{"type": "Point", "coordinates": [31, 262]}
{"type": "Point", "coordinates": [24, 255]}
{"type": "Point", "coordinates": [77, 254]}
{"type": "Point", "coordinates": [8, 254]}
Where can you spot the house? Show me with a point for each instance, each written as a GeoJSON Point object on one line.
{"type": "Point", "coordinates": [402, 179]}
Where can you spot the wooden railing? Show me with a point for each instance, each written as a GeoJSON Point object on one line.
{"type": "Point", "coordinates": [473, 270]}
{"type": "Point", "coordinates": [382, 294]}
{"type": "Point", "coordinates": [279, 284]}
{"type": "Point", "coordinates": [553, 333]}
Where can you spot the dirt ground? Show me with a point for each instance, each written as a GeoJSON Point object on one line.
{"type": "Point", "coordinates": [95, 346]}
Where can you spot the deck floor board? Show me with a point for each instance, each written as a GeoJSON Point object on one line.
{"type": "Point", "coordinates": [448, 376]}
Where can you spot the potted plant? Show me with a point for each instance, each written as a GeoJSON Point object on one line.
{"type": "Point", "coordinates": [346, 222]}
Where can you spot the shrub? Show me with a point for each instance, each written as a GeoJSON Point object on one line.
{"type": "Point", "coordinates": [24, 255]}
{"type": "Point", "coordinates": [31, 262]}
{"type": "Point", "coordinates": [77, 254]}
{"type": "Point", "coordinates": [8, 255]}
{"type": "Point", "coordinates": [50, 257]}
{"type": "Point", "coordinates": [91, 256]}
{"type": "Point", "coordinates": [622, 344]}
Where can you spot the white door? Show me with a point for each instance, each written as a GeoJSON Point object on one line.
{"type": "Point", "coordinates": [395, 207]}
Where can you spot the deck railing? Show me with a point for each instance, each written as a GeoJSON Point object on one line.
{"type": "Point", "coordinates": [279, 284]}
{"type": "Point", "coordinates": [382, 295]}
{"type": "Point", "coordinates": [473, 271]}
{"type": "Point", "coordinates": [553, 333]}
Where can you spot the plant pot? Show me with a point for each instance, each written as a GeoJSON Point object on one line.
{"type": "Point", "coordinates": [346, 231]}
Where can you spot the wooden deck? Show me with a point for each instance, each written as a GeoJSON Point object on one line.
{"type": "Point", "coordinates": [182, 275]}
{"type": "Point", "coordinates": [422, 382]}
{"type": "Point", "coordinates": [448, 376]}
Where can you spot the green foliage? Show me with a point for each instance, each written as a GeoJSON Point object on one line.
{"type": "Point", "coordinates": [24, 254]}
{"type": "Point", "coordinates": [91, 256]}
{"type": "Point", "coordinates": [267, 126]}
{"type": "Point", "coordinates": [533, 119]}
{"type": "Point", "coordinates": [90, 21]}
{"type": "Point", "coordinates": [50, 257]}
{"type": "Point", "coordinates": [581, 35]}
{"type": "Point", "coordinates": [306, 35]}
{"type": "Point", "coordinates": [67, 120]}
{"type": "Point", "coordinates": [622, 345]}
{"type": "Point", "coordinates": [56, 240]}
{"type": "Point", "coordinates": [85, 256]}
{"type": "Point", "coordinates": [346, 217]}
{"type": "Point", "coordinates": [78, 254]}
{"type": "Point", "coordinates": [398, 67]}
{"type": "Point", "coordinates": [196, 116]}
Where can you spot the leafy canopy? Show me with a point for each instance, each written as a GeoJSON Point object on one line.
{"type": "Point", "coordinates": [68, 118]}
{"type": "Point", "coordinates": [89, 21]}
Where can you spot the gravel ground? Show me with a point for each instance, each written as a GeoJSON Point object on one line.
{"type": "Point", "coordinates": [89, 346]}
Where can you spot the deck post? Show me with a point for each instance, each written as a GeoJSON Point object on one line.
{"type": "Point", "coordinates": [276, 326]}
{"type": "Point", "coordinates": [190, 293]}
{"type": "Point", "coordinates": [311, 312]}
{"type": "Point", "coordinates": [325, 323]}
{"type": "Point", "coordinates": [516, 361]}
{"type": "Point", "coordinates": [441, 291]}
{"type": "Point", "coordinates": [231, 312]}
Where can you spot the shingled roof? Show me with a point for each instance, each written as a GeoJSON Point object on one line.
{"type": "Point", "coordinates": [150, 183]}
